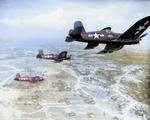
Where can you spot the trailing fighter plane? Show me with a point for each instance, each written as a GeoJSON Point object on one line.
{"type": "Point", "coordinates": [27, 78]}
{"type": "Point", "coordinates": [113, 41]}
{"type": "Point", "coordinates": [57, 58]}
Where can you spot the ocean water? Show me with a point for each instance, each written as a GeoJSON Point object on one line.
{"type": "Point", "coordinates": [88, 87]}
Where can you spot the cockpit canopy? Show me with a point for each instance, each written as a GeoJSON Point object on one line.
{"type": "Point", "coordinates": [107, 30]}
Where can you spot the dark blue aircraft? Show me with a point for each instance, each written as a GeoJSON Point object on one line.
{"type": "Point", "coordinates": [57, 58]}
{"type": "Point", "coordinates": [113, 41]}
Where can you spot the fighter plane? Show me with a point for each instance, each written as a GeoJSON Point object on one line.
{"type": "Point", "coordinates": [113, 41]}
{"type": "Point", "coordinates": [27, 78]}
{"type": "Point", "coordinates": [57, 58]}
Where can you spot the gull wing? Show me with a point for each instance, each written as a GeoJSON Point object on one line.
{"type": "Point", "coordinates": [91, 45]}
{"type": "Point", "coordinates": [136, 30]}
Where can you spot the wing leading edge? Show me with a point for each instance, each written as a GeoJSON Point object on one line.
{"type": "Point", "coordinates": [132, 34]}
{"type": "Point", "coordinates": [136, 30]}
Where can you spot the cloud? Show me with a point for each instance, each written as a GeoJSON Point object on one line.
{"type": "Point", "coordinates": [48, 19]}
{"type": "Point", "coordinates": [102, 12]}
{"type": "Point", "coordinates": [52, 20]}
{"type": "Point", "coordinates": [93, 14]}
{"type": "Point", "coordinates": [70, 12]}
{"type": "Point", "coordinates": [97, 12]}
{"type": "Point", "coordinates": [14, 22]}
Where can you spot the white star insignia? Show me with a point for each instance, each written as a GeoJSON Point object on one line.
{"type": "Point", "coordinates": [140, 28]}
{"type": "Point", "coordinates": [96, 36]}
{"type": "Point", "coordinates": [146, 22]}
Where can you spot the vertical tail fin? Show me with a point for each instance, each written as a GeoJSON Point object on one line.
{"type": "Point", "coordinates": [40, 54]}
{"type": "Point", "coordinates": [78, 26]}
{"type": "Point", "coordinates": [76, 33]}
{"type": "Point", "coordinates": [17, 76]}
{"type": "Point", "coordinates": [78, 29]}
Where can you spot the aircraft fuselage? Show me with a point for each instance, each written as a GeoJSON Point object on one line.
{"type": "Point", "coordinates": [50, 56]}
{"type": "Point", "coordinates": [102, 37]}
{"type": "Point", "coordinates": [113, 41]}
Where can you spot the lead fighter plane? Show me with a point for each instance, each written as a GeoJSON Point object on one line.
{"type": "Point", "coordinates": [113, 41]}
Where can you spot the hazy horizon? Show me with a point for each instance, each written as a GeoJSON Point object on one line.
{"type": "Point", "coordinates": [51, 20]}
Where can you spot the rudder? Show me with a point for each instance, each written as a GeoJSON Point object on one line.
{"type": "Point", "coordinates": [17, 76]}
{"type": "Point", "coordinates": [78, 26]}
{"type": "Point", "coordinates": [40, 54]}
{"type": "Point", "coordinates": [78, 29]}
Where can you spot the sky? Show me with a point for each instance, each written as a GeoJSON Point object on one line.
{"type": "Point", "coordinates": [52, 19]}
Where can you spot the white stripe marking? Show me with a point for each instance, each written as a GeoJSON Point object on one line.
{"type": "Point", "coordinates": [90, 35]}
{"type": "Point", "coordinates": [102, 35]}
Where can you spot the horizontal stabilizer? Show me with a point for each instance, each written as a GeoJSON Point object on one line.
{"type": "Point", "coordinates": [109, 48]}
{"type": "Point", "coordinates": [69, 39]}
{"type": "Point", "coordinates": [91, 45]}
